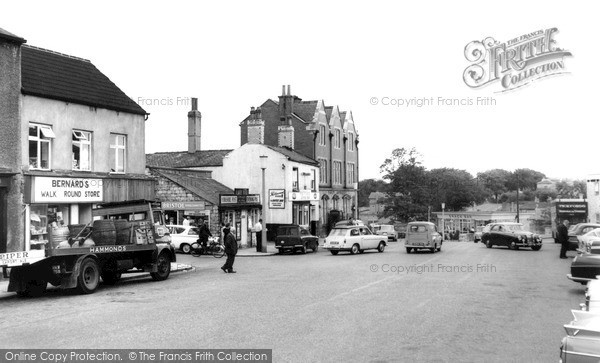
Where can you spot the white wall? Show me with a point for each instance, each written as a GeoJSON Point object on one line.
{"type": "Point", "coordinates": [593, 197]}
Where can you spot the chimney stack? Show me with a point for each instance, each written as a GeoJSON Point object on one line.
{"type": "Point", "coordinates": [256, 127]}
{"type": "Point", "coordinates": [194, 127]}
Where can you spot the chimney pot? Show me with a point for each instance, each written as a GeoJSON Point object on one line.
{"type": "Point", "coordinates": [289, 92]}
{"type": "Point", "coordinates": [283, 90]}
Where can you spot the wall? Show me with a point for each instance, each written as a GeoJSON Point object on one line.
{"type": "Point", "coordinates": [64, 117]}
{"type": "Point", "coordinates": [593, 198]}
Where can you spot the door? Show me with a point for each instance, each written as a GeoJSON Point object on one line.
{"type": "Point", "coordinates": [369, 240]}
{"type": "Point", "coordinates": [3, 220]}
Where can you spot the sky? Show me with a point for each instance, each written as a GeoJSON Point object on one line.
{"type": "Point", "coordinates": [368, 58]}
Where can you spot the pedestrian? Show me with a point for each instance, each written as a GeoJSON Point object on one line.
{"type": "Point", "coordinates": [563, 238]}
{"type": "Point", "coordinates": [231, 248]}
{"type": "Point", "coordinates": [203, 233]}
{"type": "Point", "coordinates": [258, 229]}
{"type": "Point", "coordinates": [186, 221]}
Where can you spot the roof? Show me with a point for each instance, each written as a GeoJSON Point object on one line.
{"type": "Point", "coordinates": [206, 188]}
{"type": "Point", "coordinates": [305, 110]}
{"type": "Point", "coordinates": [184, 159]}
{"type": "Point", "coordinates": [4, 34]}
{"type": "Point", "coordinates": [293, 155]}
{"type": "Point", "coordinates": [66, 78]}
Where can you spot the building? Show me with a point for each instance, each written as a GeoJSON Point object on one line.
{"type": "Point", "coordinates": [547, 184]}
{"type": "Point", "coordinates": [320, 132]}
{"type": "Point", "coordinates": [593, 198]}
{"type": "Point", "coordinates": [70, 139]}
{"type": "Point", "coordinates": [376, 202]}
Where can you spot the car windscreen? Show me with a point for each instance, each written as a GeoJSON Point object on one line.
{"type": "Point", "coordinates": [338, 232]}
{"type": "Point", "coordinates": [417, 228]}
{"type": "Point", "coordinates": [514, 227]}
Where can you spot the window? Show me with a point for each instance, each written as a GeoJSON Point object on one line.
{"type": "Point", "coordinates": [82, 150]}
{"type": "Point", "coordinates": [350, 171]}
{"type": "Point", "coordinates": [313, 182]}
{"type": "Point", "coordinates": [350, 141]}
{"type": "Point", "coordinates": [295, 185]}
{"type": "Point", "coordinates": [337, 136]}
{"type": "Point", "coordinates": [337, 172]}
{"type": "Point", "coordinates": [323, 171]}
{"type": "Point", "coordinates": [322, 135]}
{"type": "Point", "coordinates": [40, 141]}
{"type": "Point", "coordinates": [118, 147]}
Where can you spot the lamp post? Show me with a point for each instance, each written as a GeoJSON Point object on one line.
{"type": "Point", "coordinates": [263, 167]}
{"type": "Point", "coordinates": [443, 223]}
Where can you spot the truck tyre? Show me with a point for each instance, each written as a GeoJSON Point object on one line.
{"type": "Point", "coordinates": [89, 276]}
{"type": "Point", "coordinates": [33, 288]}
{"type": "Point", "coordinates": [163, 266]}
{"type": "Point", "coordinates": [110, 277]}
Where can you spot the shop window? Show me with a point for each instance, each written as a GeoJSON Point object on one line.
{"type": "Point", "coordinates": [118, 148]}
{"type": "Point", "coordinates": [40, 142]}
{"type": "Point", "coordinates": [82, 150]}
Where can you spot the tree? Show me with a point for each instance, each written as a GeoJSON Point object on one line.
{"type": "Point", "coordinates": [494, 181]}
{"type": "Point", "coordinates": [524, 179]}
{"type": "Point", "coordinates": [366, 187]}
{"type": "Point", "coordinates": [457, 188]}
{"type": "Point", "coordinates": [571, 189]}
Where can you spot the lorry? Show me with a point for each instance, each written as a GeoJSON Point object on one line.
{"type": "Point", "coordinates": [98, 250]}
{"type": "Point", "coordinates": [574, 210]}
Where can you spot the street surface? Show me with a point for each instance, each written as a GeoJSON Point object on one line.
{"type": "Point", "coordinates": [503, 306]}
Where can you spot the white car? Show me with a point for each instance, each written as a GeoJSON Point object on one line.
{"type": "Point", "coordinates": [182, 237]}
{"type": "Point", "coordinates": [355, 239]}
{"type": "Point", "coordinates": [386, 230]}
{"type": "Point", "coordinates": [587, 240]}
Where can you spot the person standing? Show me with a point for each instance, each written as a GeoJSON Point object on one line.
{"type": "Point", "coordinates": [563, 238]}
{"type": "Point", "coordinates": [231, 248]}
{"type": "Point", "coordinates": [258, 229]}
{"type": "Point", "coordinates": [186, 221]}
{"type": "Point", "coordinates": [203, 233]}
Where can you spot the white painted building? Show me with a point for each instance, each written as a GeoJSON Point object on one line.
{"type": "Point", "coordinates": [593, 198]}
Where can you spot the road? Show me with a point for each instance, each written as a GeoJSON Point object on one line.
{"type": "Point", "coordinates": [466, 303]}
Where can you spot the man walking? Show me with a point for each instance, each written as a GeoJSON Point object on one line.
{"type": "Point", "coordinates": [258, 229]}
{"type": "Point", "coordinates": [231, 248]}
{"type": "Point", "coordinates": [563, 238]}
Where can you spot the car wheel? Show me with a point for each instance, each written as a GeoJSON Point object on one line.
{"type": "Point", "coordinates": [355, 249]}
{"type": "Point", "coordinates": [381, 247]}
{"type": "Point", "coordinates": [536, 248]}
{"type": "Point", "coordinates": [433, 249]}
{"type": "Point", "coordinates": [408, 249]}
{"type": "Point", "coordinates": [334, 252]}
{"type": "Point", "coordinates": [303, 250]}
{"type": "Point", "coordinates": [185, 248]}
{"type": "Point", "coordinates": [439, 248]}
{"type": "Point", "coordinates": [513, 246]}
{"type": "Point", "coordinates": [488, 244]}
{"type": "Point", "coordinates": [89, 276]}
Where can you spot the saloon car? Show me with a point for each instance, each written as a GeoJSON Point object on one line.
{"type": "Point", "coordinates": [295, 238]}
{"type": "Point", "coordinates": [182, 237]}
{"type": "Point", "coordinates": [584, 242]}
{"type": "Point", "coordinates": [586, 266]}
{"type": "Point", "coordinates": [511, 235]}
{"type": "Point", "coordinates": [582, 343]}
{"type": "Point", "coordinates": [355, 239]}
{"type": "Point", "coordinates": [422, 235]}
{"type": "Point", "coordinates": [577, 230]}
{"type": "Point", "coordinates": [386, 230]}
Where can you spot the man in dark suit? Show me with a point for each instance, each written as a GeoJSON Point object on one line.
{"type": "Point", "coordinates": [231, 248]}
{"type": "Point", "coordinates": [563, 238]}
{"type": "Point", "coordinates": [203, 233]}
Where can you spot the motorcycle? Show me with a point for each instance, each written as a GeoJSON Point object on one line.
{"type": "Point", "coordinates": [213, 248]}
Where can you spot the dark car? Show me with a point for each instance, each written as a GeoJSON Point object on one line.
{"type": "Point", "coordinates": [511, 235]}
{"type": "Point", "coordinates": [295, 238]}
{"type": "Point", "coordinates": [579, 229]}
{"type": "Point", "coordinates": [586, 266]}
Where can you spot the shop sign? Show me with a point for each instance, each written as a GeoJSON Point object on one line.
{"type": "Point", "coordinates": [66, 190]}
{"type": "Point", "coordinates": [571, 208]}
{"type": "Point", "coordinates": [232, 199]}
{"type": "Point", "coordinates": [20, 258]}
{"type": "Point", "coordinates": [277, 198]}
{"type": "Point", "coordinates": [183, 205]}
{"type": "Point", "coordinates": [304, 196]}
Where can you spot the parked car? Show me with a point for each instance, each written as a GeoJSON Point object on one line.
{"type": "Point", "coordinates": [584, 242]}
{"type": "Point", "coordinates": [355, 239]}
{"type": "Point", "coordinates": [582, 343]}
{"type": "Point", "coordinates": [479, 230]}
{"type": "Point", "coordinates": [511, 235]}
{"type": "Point", "coordinates": [577, 230]}
{"type": "Point", "coordinates": [295, 238]}
{"type": "Point", "coordinates": [586, 266]}
{"type": "Point", "coordinates": [386, 230]}
{"type": "Point", "coordinates": [422, 235]}
{"type": "Point", "coordinates": [182, 237]}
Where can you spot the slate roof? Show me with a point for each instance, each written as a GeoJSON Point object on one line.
{"type": "Point", "coordinates": [293, 155]}
{"type": "Point", "coordinates": [66, 78]}
{"type": "Point", "coordinates": [11, 37]}
{"type": "Point", "coordinates": [305, 110]}
{"type": "Point", "coordinates": [183, 159]}
{"type": "Point", "coordinates": [206, 188]}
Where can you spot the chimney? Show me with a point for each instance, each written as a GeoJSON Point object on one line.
{"type": "Point", "coordinates": [256, 127]}
{"type": "Point", "coordinates": [194, 124]}
{"type": "Point", "coordinates": [286, 105]}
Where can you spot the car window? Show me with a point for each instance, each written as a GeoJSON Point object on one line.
{"type": "Point", "coordinates": [193, 232]}
{"type": "Point", "coordinates": [587, 229]}
{"type": "Point", "coordinates": [365, 231]}
{"type": "Point", "coordinates": [338, 232]}
{"type": "Point", "coordinates": [354, 232]}
{"type": "Point", "coordinates": [496, 228]}
{"type": "Point", "coordinates": [304, 232]}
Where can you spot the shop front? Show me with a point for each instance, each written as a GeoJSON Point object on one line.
{"type": "Point", "coordinates": [177, 212]}
{"type": "Point", "coordinates": [241, 212]}
{"type": "Point", "coordinates": [304, 209]}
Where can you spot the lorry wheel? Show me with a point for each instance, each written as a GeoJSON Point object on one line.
{"type": "Point", "coordinates": [89, 276]}
{"type": "Point", "coordinates": [163, 265]}
{"type": "Point", "coordinates": [110, 277]}
{"type": "Point", "coordinates": [33, 288]}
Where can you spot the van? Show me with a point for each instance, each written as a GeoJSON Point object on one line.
{"type": "Point", "coordinates": [422, 235]}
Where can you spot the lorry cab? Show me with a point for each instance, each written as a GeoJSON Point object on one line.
{"type": "Point", "coordinates": [422, 235]}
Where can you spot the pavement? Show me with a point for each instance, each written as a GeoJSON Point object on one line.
{"type": "Point", "coordinates": [251, 251]}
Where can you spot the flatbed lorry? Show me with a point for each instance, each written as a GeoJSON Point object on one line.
{"type": "Point", "coordinates": [79, 261]}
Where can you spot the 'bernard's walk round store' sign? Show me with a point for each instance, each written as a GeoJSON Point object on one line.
{"type": "Point", "coordinates": [66, 190]}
